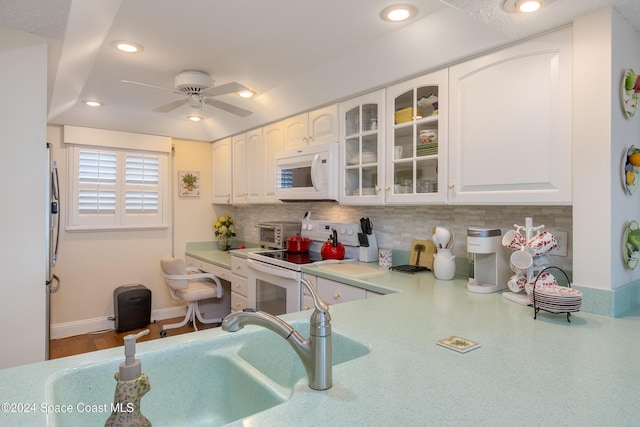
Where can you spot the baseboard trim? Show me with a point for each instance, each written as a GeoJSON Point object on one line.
{"type": "Point", "coordinates": [97, 324]}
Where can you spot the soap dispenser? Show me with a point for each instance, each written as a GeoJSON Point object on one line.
{"type": "Point", "coordinates": [131, 385]}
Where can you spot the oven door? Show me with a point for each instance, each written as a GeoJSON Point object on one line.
{"type": "Point", "coordinates": [273, 289]}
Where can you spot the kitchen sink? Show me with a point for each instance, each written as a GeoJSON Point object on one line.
{"type": "Point", "coordinates": [282, 365]}
{"type": "Point", "coordinates": [201, 383]}
{"type": "Point", "coordinates": [213, 390]}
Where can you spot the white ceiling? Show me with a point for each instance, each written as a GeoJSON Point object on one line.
{"type": "Point", "coordinates": [296, 54]}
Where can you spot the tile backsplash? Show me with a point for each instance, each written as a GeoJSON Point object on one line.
{"type": "Point", "coordinates": [396, 226]}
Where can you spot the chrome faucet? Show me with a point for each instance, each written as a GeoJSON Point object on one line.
{"type": "Point", "coordinates": [315, 352]}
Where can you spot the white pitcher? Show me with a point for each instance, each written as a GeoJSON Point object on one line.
{"type": "Point", "coordinates": [444, 266]}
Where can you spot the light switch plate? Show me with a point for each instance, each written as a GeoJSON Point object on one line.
{"type": "Point", "coordinates": [563, 243]}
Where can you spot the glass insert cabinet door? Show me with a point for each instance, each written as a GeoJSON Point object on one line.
{"type": "Point", "coordinates": [363, 147]}
{"type": "Point", "coordinates": [416, 140]}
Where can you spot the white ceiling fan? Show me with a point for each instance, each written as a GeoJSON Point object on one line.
{"type": "Point", "coordinates": [197, 87]}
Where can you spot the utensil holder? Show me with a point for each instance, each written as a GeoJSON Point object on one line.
{"type": "Point", "coordinates": [369, 253]}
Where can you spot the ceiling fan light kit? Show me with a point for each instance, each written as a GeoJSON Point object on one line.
{"type": "Point", "coordinates": [199, 87]}
{"type": "Point", "coordinates": [191, 82]}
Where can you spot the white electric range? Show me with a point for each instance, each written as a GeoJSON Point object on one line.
{"type": "Point", "coordinates": [273, 277]}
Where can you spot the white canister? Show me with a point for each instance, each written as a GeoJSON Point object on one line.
{"type": "Point", "coordinates": [385, 258]}
{"type": "Point", "coordinates": [444, 265]}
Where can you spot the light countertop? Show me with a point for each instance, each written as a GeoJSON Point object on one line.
{"type": "Point", "coordinates": [527, 372]}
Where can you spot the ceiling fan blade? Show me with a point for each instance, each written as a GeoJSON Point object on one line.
{"type": "Point", "coordinates": [228, 107]}
{"type": "Point", "coordinates": [148, 85]}
{"type": "Point", "coordinates": [231, 87]}
{"type": "Point", "coordinates": [170, 106]}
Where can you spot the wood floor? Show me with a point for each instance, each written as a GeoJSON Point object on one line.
{"type": "Point", "coordinates": [101, 340]}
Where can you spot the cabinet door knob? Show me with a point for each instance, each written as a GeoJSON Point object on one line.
{"type": "Point", "coordinates": [337, 295]}
{"type": "Point", "coordinates": [451, 185]}
{"type": "Point", "coordinates": [377, 189]}
{"type": "Point", "coordinates": [388, 187]}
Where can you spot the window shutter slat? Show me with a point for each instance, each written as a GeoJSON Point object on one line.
{"type": "Point", "coordinates": [97, 167]}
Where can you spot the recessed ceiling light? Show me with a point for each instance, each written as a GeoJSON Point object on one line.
{"type": "Point", "coordinates": [398, 12]}
{"type": "Point", "coordinates": [527, 6]}
{"type": "Point", "coordinates": [92, 103]}
{"type": "Point", "coordinates": [246, 93]}
{"type": "Point", "coordinates": [194, 118]}
{"type": "Point", "coordinates": [127, 47]}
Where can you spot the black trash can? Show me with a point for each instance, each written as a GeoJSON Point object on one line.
{"type": "Point", "coordinates": [132, 307]}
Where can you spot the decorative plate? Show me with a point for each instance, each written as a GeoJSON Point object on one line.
{"type": "Point", "coordinates": [629, 96]}
{"type": "Point", "coordinates": [630, 247]}
{"type": "Point", "coordinates": [630, 172]}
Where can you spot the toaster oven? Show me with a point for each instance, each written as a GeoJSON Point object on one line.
{"type": "Point", "coordinates": [273, 234]}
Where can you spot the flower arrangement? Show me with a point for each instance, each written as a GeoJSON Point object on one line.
{"type": "Point", "coordinates": [225, 228]}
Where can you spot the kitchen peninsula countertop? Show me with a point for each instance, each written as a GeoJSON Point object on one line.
{"type": "Point", "coordinates": [526, 372]}
{"type": "Point", "coordinates": [209, 252]}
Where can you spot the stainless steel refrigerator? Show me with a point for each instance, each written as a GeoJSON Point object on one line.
{"type": "Point", "coordinates": [53, 237]}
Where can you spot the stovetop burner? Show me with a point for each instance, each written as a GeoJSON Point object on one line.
{"type": "Point", "coordinates": [293, 257]}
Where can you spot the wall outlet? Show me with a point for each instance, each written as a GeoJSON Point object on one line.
{"type": "Point", "coordinates": [563, 243]}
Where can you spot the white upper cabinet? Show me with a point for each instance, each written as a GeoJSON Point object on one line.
{"type": "Point", "coordinates": [239, 183]}
{"type": "Point", "coordinates": [316, 127]}
{"type": "Point", "coordinates": [254, 165]}
{"type": "Point", "coordinates": [510, 125]}
{"type": "Point", "coordinates": [416, 144]}
{"type": "Point", "coordinates": [247, 167]}
{"type": "Point", "coordinates": [273, 141]}
{"type": "Point", "coordinates": [221, 171]}
{"type": "Point", "coordinates": [363, 153]}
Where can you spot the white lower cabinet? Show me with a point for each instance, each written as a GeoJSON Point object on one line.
{"type": "Point", "coordinates": [238, 283]}
{"type": "Point", "coordinates": [510, 125]}
{"type": "Point", "coordinates": [333, 292]}
{"type": "Point", "coordinates": [221, 272]}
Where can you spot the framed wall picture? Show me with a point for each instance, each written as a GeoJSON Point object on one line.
{"type": "Point", "coordinates": [189, 184]}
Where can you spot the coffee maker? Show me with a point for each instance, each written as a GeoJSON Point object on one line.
{"type": "Point", "coordinates": [488, 261]}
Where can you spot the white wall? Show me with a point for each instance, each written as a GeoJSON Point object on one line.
{"type": "Point", "coordinates": [624, 132]}
{"type": "Point", "coordinates": [23, 59]}
{"type": "Point", "coordinates": [92, 264]}
{"type": "Point", "coordinates": [604, 45]}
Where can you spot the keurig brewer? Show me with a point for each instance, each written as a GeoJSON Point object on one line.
{"type": "Point", "coordinates": [488, 263]}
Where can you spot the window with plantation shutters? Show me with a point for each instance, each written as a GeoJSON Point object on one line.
{"type": "Point", "coordinates": [141, 184]}
{"type": "Point", "coordinates": [116, 189]}
{"type": "Point", "coordinates": [97, 176]}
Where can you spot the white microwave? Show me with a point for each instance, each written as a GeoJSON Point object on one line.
{"type": "Point", "coordinates": [308, 173]}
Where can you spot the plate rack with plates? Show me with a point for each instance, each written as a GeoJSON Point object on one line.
{"type": "Point", "coordinates": [554, 298]}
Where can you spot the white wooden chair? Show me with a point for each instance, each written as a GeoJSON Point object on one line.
{"type": "Point", "coordinates": [191, 285]}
